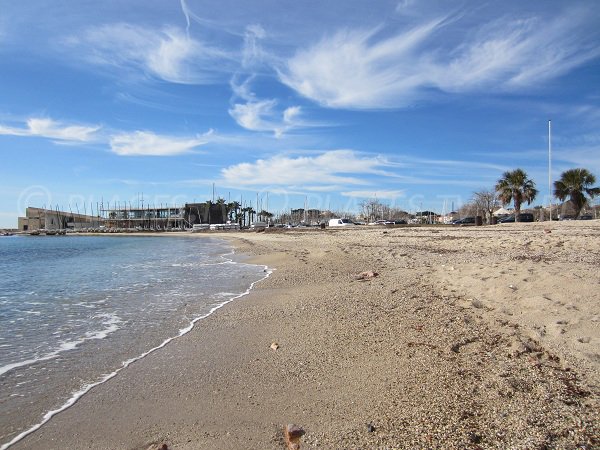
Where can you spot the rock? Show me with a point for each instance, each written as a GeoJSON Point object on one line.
{"type": "Point", "coordinates": [474, 438]}
{"type": "Point", "coordinates": [158, 447]}
{"type": "Point", "coordinates": [370, 428]}
{"type": "Point", "coordinates": [292, 434]}
{"type": "Point", "coordinates": [366, 275]}
{"type": "Point", "coordinates": [274, 346]}
{"type": "Point", "coordinates": [477, 304]}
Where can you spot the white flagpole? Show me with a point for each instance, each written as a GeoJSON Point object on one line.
{"type": "Point", "coordinates": [550, 165]}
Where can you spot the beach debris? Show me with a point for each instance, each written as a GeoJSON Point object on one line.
{"type": "Point", "coordinates": [292, 434]}
{"type": "Point", "coordinates": [364, 276]}
{"type": "Point", "coordinates": [584, 340]}
{"type": "Point", "coordinates": [274, 346]}
{"type": "Point", "coordinates": [158, 447]}
{"type": "Point", "coordinates": [456, 347]}
{"type": "Point", "coordinates": [370, 428]}
{"type": "Point", "coordinates": [512, 286]}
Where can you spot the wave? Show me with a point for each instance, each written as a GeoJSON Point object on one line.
{"type": "Point", "coordinates": [111, 324]}
{"type": "Point", "coordinates": [85, 389]}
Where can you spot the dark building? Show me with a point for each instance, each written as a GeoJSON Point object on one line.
{"type": "Point", "coordinates": [210, 213]}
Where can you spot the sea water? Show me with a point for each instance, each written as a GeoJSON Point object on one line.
{"type": "Point", "coordinates": [76, 310]}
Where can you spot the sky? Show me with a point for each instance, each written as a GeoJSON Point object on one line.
{"type": "Point", "coordinates": [417, 103]}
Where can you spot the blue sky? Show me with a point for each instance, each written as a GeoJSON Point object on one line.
{"type": "Point", "coordinates": [414, 102]}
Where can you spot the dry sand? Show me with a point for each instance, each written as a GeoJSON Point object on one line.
{"type": "Point", "coordinates": [482, 337]}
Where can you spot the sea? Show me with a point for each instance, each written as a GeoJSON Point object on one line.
{"type": "Point", "coordinates": [77, 310]}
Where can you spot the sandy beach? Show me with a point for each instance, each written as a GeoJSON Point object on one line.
{"type": "Point", "coordinates": [467, 337]}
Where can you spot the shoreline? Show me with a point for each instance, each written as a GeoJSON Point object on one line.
{"type": "Point", "coordinates": [418, 365]}
{"type": "Point", "coordinates": [228, 257]}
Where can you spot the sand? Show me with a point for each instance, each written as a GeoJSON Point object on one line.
{"type": "Point", "coordinates": [474, 337]}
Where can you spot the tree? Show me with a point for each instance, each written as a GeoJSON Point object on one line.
{"type": "Point", "coordinates": [233, 211]}
{"type": "Point", "coordinates": [515, 186]}
{"type": "Point", "coordinates": [265, 214]}
{"type": "Point", "coordinates": [576, 184]}
{"type": "Point", "coordinates": [485, 200]}
{"type": "Point", "coordinates": [250, 211]}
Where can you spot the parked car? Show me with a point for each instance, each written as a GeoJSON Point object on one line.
{"type": "Point", "coordinates": [259, 225]}
{"type": "Point", "coordinates": [464, 221]}
{"type": "Point", "coordinates": [400, 222]}
{"type": "Point", "coordinates": [586, 217]}
{"type": "Point", "coordinates": [524, 217]}
{"type": "Point", "coordinates": [381, 222]}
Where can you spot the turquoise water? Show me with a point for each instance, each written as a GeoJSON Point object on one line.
{"type": "Point", "coordinates": [74, 310]}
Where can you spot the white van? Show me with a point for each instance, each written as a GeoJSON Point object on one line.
{"type": "Point", "coordinates": [341, 223]}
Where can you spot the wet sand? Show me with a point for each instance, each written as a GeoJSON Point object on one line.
{"type": "Point", "coordinates": [475, 337]}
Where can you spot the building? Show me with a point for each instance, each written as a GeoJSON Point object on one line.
{"type": "Point", "coordinates": [149, 218]}
{"type": "Point", "coordinates": [48, 219]}
{"type": "Point", "coordinates": [211, 213]}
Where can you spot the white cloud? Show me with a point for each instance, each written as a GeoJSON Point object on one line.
{"type": "Point", "coordinates": [252, 115]}
{"type": "Point", "coordinates": [382, 195]}
{"type": "Point", "coordinates": [291, 113]}
{"type": "Point", "coordinates": [48, 128]}
{"type": "Point", "coordinates": [145, 143]}
{"type": "Point", "coordinates": [351, 70]}
{"type": "Point", "coordinates": [337, 166]}
{"type": "Point", "coordinates": [167, 54]}
{"type": "Point", "coordinates": [365, 69]}
{"type": "Point", "coordinates": [252, 52]}
{"type": "Point", "coordinates": [263, 116]}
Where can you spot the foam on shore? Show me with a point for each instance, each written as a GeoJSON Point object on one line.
{"type": "Point", "coordinates": [85, 389]}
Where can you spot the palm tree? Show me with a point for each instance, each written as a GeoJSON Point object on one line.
{"type": "Point", "coordinates": [250, 211]}
{"type": "Point", "coordinates": [265, 215]}
{"type": "Point", "coordinates": [233, 211]}
{"type": "Point", "coordinates": [251, 214]}
{"type": "Point", "coordinates": [576, 184]}
{"type": "Point", "coordinates": [515, 186]}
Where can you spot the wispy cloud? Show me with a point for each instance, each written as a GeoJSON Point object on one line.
{"type": "Point", "coordinates": [366, 69]}
{"type": "Point", "coordinates": [344, 167]}
{"type": "Point", "coordinates": [146, 143]}
{"type": "Point", "coordinates": [264, 116]}
{"type": "Point", "coordinates": [167, 54]}
{"type": "Point", "coordinates": [48, 128]}
{"type": "Point", "coordinates": [353, 69]}
{"type": "Point", "coordinates": [250, 111]}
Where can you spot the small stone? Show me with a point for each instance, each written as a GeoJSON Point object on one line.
{"type": "Point", "coordinates": [370, 428]}
{"type": "Point", "coordinates": [366, 275]}
{"type": "Point", "coordinates": [477, 304]}
{"type": "Point", "coordinates": [474, 438]}
{"type": "Point", "coordinates": [274, 346]}
{"type": "Point", "coordinates": [292, 434]}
